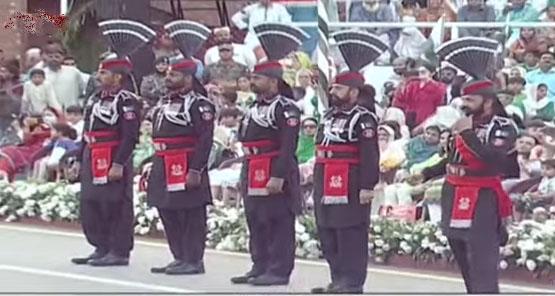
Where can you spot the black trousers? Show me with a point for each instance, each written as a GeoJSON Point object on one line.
{"type": "Point", "coordinates": [186, 232]}
{"type": "Point", "coordinates": [272, 244]}
{"type": "Point", "coordinates": [108, 226]}
{"type": "Point", "coordinates": [478, 259]}
{"type": "Point", "coordinates": [346, 250]}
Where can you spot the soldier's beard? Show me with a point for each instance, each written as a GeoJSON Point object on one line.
{"type": "Point", "coordinates": [337, 101]}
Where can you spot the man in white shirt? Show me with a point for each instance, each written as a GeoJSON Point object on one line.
{"type": "Point", "coordinates": [262, 12]}
{"type": "Point", "coordinates": [241, 53]}
{"type": "Point", "coordinates": [67, 81]}
{"type": "Point", "coordinates": [38, 94]}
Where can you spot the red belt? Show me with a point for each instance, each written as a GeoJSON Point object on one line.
{"type": "Point", "coordinates": [100, 144]}
{"type": "Point", "coordinates": [336, 160]}
{"type": "Point", "coordinates": [174, 152]}
{"type": "Point", "coordinates": [467, 190]}
{"type": "Point", "coordinates": [259, 165]}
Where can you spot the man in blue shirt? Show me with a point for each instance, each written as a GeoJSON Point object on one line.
{"type": "Point", "coordinates": [544, 74]}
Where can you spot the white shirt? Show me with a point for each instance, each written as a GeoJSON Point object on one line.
{"type": "Point", "coordinates": [255, 14]}
{"type": "Point", "coordinates": [241, 54]}
{"type": "Point", "coordinates": [78, 127]}
{"type": "Point", "coordinates": [36, 98]}
{"type": "Point", "coordinates": [68, 84]}
{"type": "Point", "coordinates": [547, 185]}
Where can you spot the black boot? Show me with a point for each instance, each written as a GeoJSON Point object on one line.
{"type": "Point", "coordinates": [163, 269]}
{"type": "Point", "coordinates": [110, 260]}
{"type": "Point", "coordinates": [244, 279]}
{"type": "Point", "coordinates": [324, 290]}
{"type": "Point", "coordinates": [97, 254]}
{"type": "Point", "coordinates": [269, 280]}
{"type": "Point", "coordinates": [186, 268]}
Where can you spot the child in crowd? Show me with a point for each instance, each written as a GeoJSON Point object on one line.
{"type": "Point", "coordinates": [540, 107]}
{"type": "Point", "coordinates": [74, 116]}
{"type": "Point", "coordinates": [542, 195]}
{"type": "Point", "coordinates": [516, 85]}
{"type": "Point", "coordinates": [245, 97]}
{"type": "Point", "coordinates": [62, 141]}
{"type": "Point", "coordinates": [38, 94]}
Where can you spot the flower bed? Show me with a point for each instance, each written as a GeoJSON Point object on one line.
{"type": "Point", "coordinates": [531, 244]}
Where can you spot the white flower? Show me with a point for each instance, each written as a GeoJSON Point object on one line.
{"type": "Point", "coordinates": [386, 247]}
{"type": "Point", "coordinates": [543, 258]}
{"type": "Point", "coordinates": [20, 212]}
{"type": "Point", "coordinates": [407, 237]}
{"type": "Point", "coordinates": [377, 229]}
{"type": "Point", "coordinates": [520, 261]}
{"type": "Point", "coordinates": [65, 213]}
{"type": "Point", "coordinates": [11, 218]}
{"type": "Point", "coordinates": [159, 225]}
{"type": "Point", "coordinates": [143, 230]}
{"type": "Point", "coordinates": [299, 228]}
{"type": "Point", "coordinates": [506, 251]}
{"type": "Point", "coordinates": [426, 231]}
{"type": "Point", "coordinates": [379, 243]}
{"type": "Point", "coordinates": [379, 259]}
{"type": "Point", "coordinates": [378, 251]}
{"type": "Point", "coordinates": [503, 264]}
{"type": "Point", "coordinates": [304, 237]}
{"type": "Point", "coordinates": [3, 210]}
{"type": "Point", "coordinates": [531, 265]}
{"type": "Point", "coordinates": [151, 214]}
{"type": "Point", "coordinates": [443, 239]}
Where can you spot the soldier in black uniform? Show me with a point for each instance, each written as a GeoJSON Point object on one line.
{"type": "Point", "coordinates": [178, 184]}
{"type": "Point", "coordinates": [474, 205]}
{"type": "Point", "coordinates": [271, 190]}
{"type": "Point", "coordinates": [110, 134]}
{"type": "Point", "coordinates": [347, 168]}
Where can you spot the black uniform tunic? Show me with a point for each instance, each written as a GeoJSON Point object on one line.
{"type": "Point", "coordinates": [271, 219]}
{"type": "Point", "coordinates": [107, 209]}
{"type": "Point", "coordinates": [476, 248]}
{"type": "Point", "coordinates": [183, 212]}
{"type": "Point", "coordinates": [343, 228]}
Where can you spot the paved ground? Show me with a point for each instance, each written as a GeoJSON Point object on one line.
{"type": "Point", "coordinates": [35, 259]}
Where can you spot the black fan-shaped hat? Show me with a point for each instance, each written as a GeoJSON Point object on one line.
{"type": "Point", "coordinates": [125, 36]}
{"type": "Point", "coordinates": [359, 48]}
{"type": "Point", "coordinates": [189, 36]}
{"type": "Point", "coordinates": [473, 55]}
{"type": "Point", "coordinates": [278, 40]}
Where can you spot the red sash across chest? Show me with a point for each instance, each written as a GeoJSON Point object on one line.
{"type": "Point", "coordinates": [175, 153]}
{"type": "Point", "coordinates": [467, 188]}
{"type": "Point", "coordinates": [336, 160]}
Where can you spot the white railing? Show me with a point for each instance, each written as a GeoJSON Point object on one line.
{"type": "Point", "coordinates": [368, 25]}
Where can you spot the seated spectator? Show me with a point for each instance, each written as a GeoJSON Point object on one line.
{"type": "Point", "coordinates": [38, 94]}
{"type": "Point", "coordinates": [516, 86]}
{"type": "Point", "coordinates": [245, 96]}
{"type": "Point", "coordinates": [475, 11]}
{"type": "Point", "coordinates": [370, 11]}
{"type": "Point", "coordinates": [529, 41]}
{"type": "Point", "coordinates": [153, 86]}
{"type": "Point", "coordinates": [518, 11]}
{"type": "Point", "coordinates": [434, 10]}
{"type": "Point", "coordinates": [542, 196]}
{"type": "Point", "coordinates": [294, 63]}
{"type": "Point", "coordinates": [549, 32]}
{"type": "Point", "coordinates": [529, 168]}
{"type": "Point", "coordinates": [531, 59]}
{"type": "Point", "coordinates": [15, 158]}
{"type": "Point", "coordinates": [47, 159]}
{"type": "Point", "coordinates": [516, 112]}
{"type": "Point", "coordinates": [517, 71]}
{"type": "Point", "coordinates": [241, 54]}
{"type": "Point", "coordinates": [254, 14]}
{"type": "Point", "coordinates": [411, 42]}
{"type": "Point", "coordinates": [546, 139]}
{"type": "Point", "coordinates": [544, 74]}
{"type": "Point", "coordinates": [50, 116]}
{"type": "Point", "coordinates": [397, 115]}
{"type": "Point", "coordinates": [423, 147]}
{"type": "Point", "coordinates": [226, 71]}
{"type": "Point", "coordinates": [74, 116]}
{"type": "Point", "coordinates": [306, 144]}
{"type": "Point", "coordinates": [540, 107]}
{"type": "Point", "coordinates": [392, 154]}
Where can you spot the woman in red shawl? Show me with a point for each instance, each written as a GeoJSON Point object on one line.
{"type": "Point", "coordinates": [15, 158]}
{"type": "Point", "coordinates": [529, 41]}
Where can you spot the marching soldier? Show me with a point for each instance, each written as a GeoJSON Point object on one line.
{"type": "Point", "coordinates": [178, 185]}
{"type": "Point", "coordinates": [473, 203]}
{"type": "Point", "coordinates": [347, 167]}
{"type": "Point", "coordinates": [111, 132]}
{"type": "Point", "coordinates": [269, 133]}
